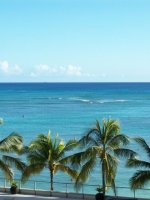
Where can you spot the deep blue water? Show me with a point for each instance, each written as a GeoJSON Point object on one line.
{"type": "Point", "coordinates": [71, 108]}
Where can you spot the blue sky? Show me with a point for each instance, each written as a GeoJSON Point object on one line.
{"type": "Point", "coordinates": [74, 40]}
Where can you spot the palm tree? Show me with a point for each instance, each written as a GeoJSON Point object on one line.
{"type": "Point", "coordinates": [141, 177]}
{"type": "Point", "coordinates": [44, 152]}
{"type": "Point", "coordinates": [102, 144]}
{"type": "Point", "coordinates": [10, 144]}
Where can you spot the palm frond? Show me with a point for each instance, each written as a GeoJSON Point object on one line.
{"type": "Point", "coordinates": [11, 142]}
{"type": "Point", "coordinates": [98, 127]}
{"type": "Point", "coordinates": [113, 186]}
{"type": "Point", "coordinates": [31, 170]}
{"type": "Point", "coordinates": [55, 141]}
{"type": "Point", "coordinates": [40, 141]}
{"type": "Point", "coordinates": [37, 144]}
{"type": "Point", "coordinates": [137, 163]}
{"type": "Point", "coordinates": [14, 161]}
{"type": "Point", "coordinates": [7, 170]}
{"type": "Point", "coordinates": [73, 173]}
{"type": "Point", "coordinates": [81, 157]}
{"type": "Point", "coordinates": [139, 179]}
{"type": "Point", "coordinates": [126, 153]}
{"type": "Point", "coordinates": [119, 140]}
{"type": "Point", "coordinates": [24, 150]}
{"type": "Point", "coordinates": [89, 141]}
{"type": "Point", "coordinates": [110, 170]}
{"type": "Point", "coordinates": [85, 171]}
{"type": "Point", "coordinates": [36, 156]}
{"type": "Point", "coordinates": [111, 128]}
{"type": "Point", "coordinates": [91, 138]}
{"type": "Point", "coordinates": [59, 149]}
{"type": "Point", "coordinates": [74, 160]}
{"type": "Point", "coordinates": [71, 144]}
{"type": "Point", "coordinates": [112, 162]}
{"type": "Point", "coordinates": [143, 144]}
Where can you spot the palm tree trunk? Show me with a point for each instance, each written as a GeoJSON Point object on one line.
{"type": "Point", "coordinates": [103, 178]}
{"type": "Point", "coordinates": [51, 180]}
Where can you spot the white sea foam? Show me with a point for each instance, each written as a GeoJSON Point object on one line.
{"type": "Point", "coordinates": [112, 101]}
{"type": "Point", "coordinates": [55, 98]}
{"type": "Point", "coordinates": [80, 99]}
{"type": "Point", "coordinates": [98, 101]}
{"type": "Point", "coordinates": [85, 100]}
{"type": "Point", "coordinates": [121, 100]}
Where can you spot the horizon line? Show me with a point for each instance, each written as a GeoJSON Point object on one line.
{"type": "Point", "coordinates": [45, 82]}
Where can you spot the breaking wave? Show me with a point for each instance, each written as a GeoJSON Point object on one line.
{"type": "Point", "coordinates": [98, 101]}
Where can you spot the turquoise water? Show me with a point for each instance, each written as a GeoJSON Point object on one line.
{"type": "Point", "coordinates": [70, 109]}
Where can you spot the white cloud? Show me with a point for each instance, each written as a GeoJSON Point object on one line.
{"type": "Point", "coordinates": [62, 69]}
{"type": "Point", "coordinates": [4, 66]}
{"type": "Point", "coordinates": [73, 70]}
{"type": "Point", "coordinates": [43, 67]}
{"type": "Point", "coordinates": [44, 72]}
{"type": "Point", "coordinates": [70, 70]}
{"type": "Point", "coordinates": [13, 70]}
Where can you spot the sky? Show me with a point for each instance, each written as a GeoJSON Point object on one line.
{"type": "Point", "coordinates": [74, 41]}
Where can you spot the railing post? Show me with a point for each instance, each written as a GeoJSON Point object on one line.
{"type": "Point", "coordinates": [66, 190]}
{"type": "Point", "coordinates": [20, 186]}
{"type": "Point", "coordinates": [35, 187]}
{"type": "Point", "coordinates": [83, 191]}
{"type": "Point", "coordinates": [5, 184]}
{"type": "Point", "coordinates": [134, 193]}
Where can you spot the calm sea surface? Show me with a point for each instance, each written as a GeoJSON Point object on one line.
{"type": "Point", "coordinates": [70, 109]}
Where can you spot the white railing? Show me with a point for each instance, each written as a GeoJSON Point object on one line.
{"type": "Point", "coordinates": [67, 188]}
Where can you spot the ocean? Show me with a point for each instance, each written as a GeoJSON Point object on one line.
{"type": "Point", "coordinates": [70, 109]}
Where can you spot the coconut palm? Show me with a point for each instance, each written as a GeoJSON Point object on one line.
{"type": "Point", "coordinates": [141, 177]}
{"type": "Point", "coordinates": [10, 144]}
{"type": "Point", "coordinates": [102, 145]}
{"type": "Point", "coordinates": [45, 152]}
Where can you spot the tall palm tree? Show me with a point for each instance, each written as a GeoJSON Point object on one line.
{"type": "Point", "coordinates": [10, 144]}
{"type": "Point", "coordinates": [45, 152]}
{"type": "Point", "coordinates": [102, 145]}
{"type": "Point", "coordinates": [141, 177]}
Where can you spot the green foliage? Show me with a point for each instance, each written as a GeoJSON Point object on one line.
{"type": "Point", "coordinates": [45, 152]}
{"type": "Point", "coordinates": [99, 189]}
{"type": "Point", "coordinates": [14, 184]}
{"type": "Point", "coordinates": [12, 143]}
{"type": "Point", "coordinates": [102, 144]}
{"type": "Point", "coordinates": [142, 176]}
